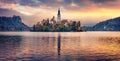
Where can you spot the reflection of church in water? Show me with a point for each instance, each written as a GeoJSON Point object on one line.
{"type": "Point", "coordinates": [62, 41]}
{"type": "Point", "coordinates": [59, 43]}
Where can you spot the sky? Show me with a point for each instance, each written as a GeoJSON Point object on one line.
{"type": "Point", "coordinates": [89, 12]}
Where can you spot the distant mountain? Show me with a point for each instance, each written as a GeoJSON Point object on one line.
{"type": "Point", "coordinates": [12, 24]}
{"type": "Point", "coordinates": [87, 28]}
{"type": "Point", "coordinates": [108, 25]}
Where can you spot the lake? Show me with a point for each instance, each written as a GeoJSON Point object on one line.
{"type": "Point", "coordinates": [62, 46]}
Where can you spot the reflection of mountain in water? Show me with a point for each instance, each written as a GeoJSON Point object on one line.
{"type": "Point", "coordinates": [9, 46]}
{"type": "Point", "coordinates": [10, 38]}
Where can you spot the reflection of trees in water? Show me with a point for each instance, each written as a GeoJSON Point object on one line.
{"type": "Point", "coordinates": [71, 38]}
{"type": "Point", "coordinates": [75, 39]}
{"type": "Point", "coordinates": [40, 41]}
{"type": "Point", "coordinates": [10, 40]}
{"type": "Point", "coordinates": [46, 41]}
{"type": "Point", "coordinates": [43, 38]}
{"type": "Point", "coordinates": [41, 45]}
{"type": "Point", "coordinates": [69, 41]}
{"type": "Point", "coordinates": [9, 46]}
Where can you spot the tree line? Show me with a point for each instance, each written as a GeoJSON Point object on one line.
{"type": "Point", "coordinates": [54, 26]}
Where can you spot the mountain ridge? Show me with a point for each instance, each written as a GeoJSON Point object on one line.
{"type": "Point", "coordinates": [108, 25]}
{"type": "Point", "coordinates": [12, 24]}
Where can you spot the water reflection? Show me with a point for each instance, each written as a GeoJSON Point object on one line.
{"type": "Point", "coordinates": [60, 47]}
{"type": "Point", "coordinates": [9, 45]}
{"type": "Point", "coordinates": [59, 43]}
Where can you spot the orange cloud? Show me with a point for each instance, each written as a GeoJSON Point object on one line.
{"type": "Point", "coordinates": [88, 11]}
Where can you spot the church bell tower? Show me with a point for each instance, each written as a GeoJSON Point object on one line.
{"type": "Point", "coordinates": [58, 16]}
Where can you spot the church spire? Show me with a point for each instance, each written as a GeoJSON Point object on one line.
{"type": "Point", "coordinates": [59, 12]}
{"type": "Point", "coordinates": [59, 16]}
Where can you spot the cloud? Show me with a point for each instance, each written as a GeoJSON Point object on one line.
{"type": "Point", "coordinates": [7, 1]}
{"type": "Point", "coordinates": [8, 12]}
{"type": "Point", "coordinates": [35, 10]}
{"type": "Point", "coordinates": [66, 4]}
{"type": "Point", "coordinates": [103, 1]}
{"type": "Point", "coordinates": [26, 16]}
{"type": "Point", "coordinates": [107, 3]}
{"type": "Point", "coordinates": [28, 2]}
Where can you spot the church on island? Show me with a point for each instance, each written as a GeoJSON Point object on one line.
{"type": "Point", "coordinates": [52, 21]}
{"type": "Point", "coordinates": [59, 25]}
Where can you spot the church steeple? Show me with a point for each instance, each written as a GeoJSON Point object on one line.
{"type": "Point", "coordinates": [59, 16]}
{"type": "Point", "coordinates": [59, 12]}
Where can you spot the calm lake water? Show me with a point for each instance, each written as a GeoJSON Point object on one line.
{"type": "Point", "coordinates": [65, 46]}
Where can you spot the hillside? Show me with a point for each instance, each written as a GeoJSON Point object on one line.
{"type": "Point", "coordinates": [12, 24]}
{"type": "Point", "coordinates": [108, 25]}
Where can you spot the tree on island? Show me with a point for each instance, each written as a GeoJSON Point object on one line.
{"type": "Point", "coordinates": [52, 26]}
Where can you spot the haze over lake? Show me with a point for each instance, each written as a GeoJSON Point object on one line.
{"type": "Point", "coordinates": [60, 46]}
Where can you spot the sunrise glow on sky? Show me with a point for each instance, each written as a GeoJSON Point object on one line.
{"type": "Point", "coordinates": [89, 12]}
